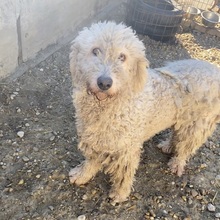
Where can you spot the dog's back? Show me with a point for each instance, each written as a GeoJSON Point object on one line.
{"type": "Point", "coordinates": [198, 78]}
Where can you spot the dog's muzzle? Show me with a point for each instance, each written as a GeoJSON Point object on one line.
{"type": "Point", "coordinates": [104, 83]}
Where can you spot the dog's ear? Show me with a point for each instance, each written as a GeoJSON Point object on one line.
{"type": "Point", "coordinates": [73, 63]}
{"type": "Point", "coordinates": [140, 73]}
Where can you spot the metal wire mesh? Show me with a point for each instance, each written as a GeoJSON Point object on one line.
{"type": "Point", "coordinates": [201, 4]}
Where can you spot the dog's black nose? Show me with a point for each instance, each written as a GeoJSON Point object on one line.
{"type": "Point", "coordinates": [104, 83]}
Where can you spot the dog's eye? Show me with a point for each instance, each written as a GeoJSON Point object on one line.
{"type": "Point", "coordinates": [122, 57]}
{"type": "Point", "coordinates": [96, 51]}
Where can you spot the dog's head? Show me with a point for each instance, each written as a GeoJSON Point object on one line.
{"type": "Point", "coordinates": [108, 59]}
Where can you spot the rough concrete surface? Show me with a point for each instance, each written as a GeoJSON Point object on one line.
{"type": "Point", "coordinates": [38, 147]}
{"type": "Point", "coordinates": [30, 27]}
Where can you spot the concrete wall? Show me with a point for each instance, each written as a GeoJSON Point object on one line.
{"type": "Point", "coordinates": [8, 37]}
{"type": "Point", "coordinates": [28, 27]}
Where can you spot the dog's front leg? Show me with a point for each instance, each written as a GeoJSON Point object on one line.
{"type": "Point", "coordinates": [82, 173]}
{"type": "Point", "coordinates": [122, 171]}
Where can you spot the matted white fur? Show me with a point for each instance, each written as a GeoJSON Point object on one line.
{"type": "Point", "coordinates": [120, 103]}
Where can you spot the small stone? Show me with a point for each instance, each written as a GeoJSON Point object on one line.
{"type": "Point", "coordinates": [81, 217]}
{"type": "Point", "coordinates": [27, 124]}
{"type": "Point", "coordinates": [190, 201]}
{"type": "Point", "coordinates": [147, 214]}
{"type": "Point", "coordinates": [85, 197]}
{"type": "Point", "coordinates": [202, 192]}
{"type": "Point", "coordinates": [9, 141]}
{"type": "Point", "coordinates": [175, 216]}
{"type": "Point", "coordinates": [51, 207]}
{"type": "Point", "coordinates": [194, 193]}
{"type": "Point", "coordinates": [94, 192]}
{"type": "Point", "coordinates": [152, 213]}
{"type": "Point", "coordinates": [217, 215]}
{"type": "Point", "coordinates": [41, 69]}
{"type": "Point", "coordinates": [137, 196]}
{"type": "Point", "coordinates": [165, 212]}
{"type": "Point", "coordinates": [55, 133]}
{"type": "Point", "coordinates": [18, 110]}
{"type": "Point", "coordinates": [202, 166]}
{"type": "Point", "coordinates": [203, 208]}
{"type": "Point", "coordinates": [12, 96]}
{"type": "Point", "coordinates": [38, 176]}
{"type": "Point", "coordinates": [133, 207]}
{"type": "Point", "coordinates": [184, 198]}
{"type": "Point", "coordinates": [21, 182]}
{"type": "Point", "coordinates": [211, 207]}
{"type": "Point", "coordinates": [217, 178]}
{"type": "Point", "coordinates": [25, 159]}
{"type": "Point", "coordinates": [20, 134]}
{"type": "Point", "coordinates": [35, 215]}
{"type": "Point", "coordinates": [199, 197]}
{"type": "Point", "coordinates": [52, 138]}
{"type": "Point", "coordinates": [35, 149]}
{"type": "Point", "coordinates": [212, 182]}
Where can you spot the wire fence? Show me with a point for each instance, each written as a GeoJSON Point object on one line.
{"type": "Point", "coordinates": [201, 4]}
{"type": "Point", "coordinates": [162, 19]}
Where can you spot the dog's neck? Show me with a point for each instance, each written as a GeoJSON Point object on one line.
{"type": "Point", "coordinates": [92, 114]}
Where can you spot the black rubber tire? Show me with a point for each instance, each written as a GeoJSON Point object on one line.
{"type": "Point", "coordinates": [164, 5]}
{"type": "Point", "coordinates": [163, 17]}
{"type": "Point", "coordinates": [153, 30]}
{"type": "Point", "coordinates": [154, 21]}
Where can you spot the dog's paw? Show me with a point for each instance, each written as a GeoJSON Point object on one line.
{"type": "Point", "coordinates": [117, 197]}
{"type": "Point", "coordinates": [165, 147]}
{"type": "Point", "coordinates": [176, 166]}
{"type": "Point", "coordinates": [78, 176]}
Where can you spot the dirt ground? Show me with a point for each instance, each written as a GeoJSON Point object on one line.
{"type": "Point", "coordinates": [38, 147]}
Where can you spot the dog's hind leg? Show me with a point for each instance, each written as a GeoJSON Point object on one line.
{"type": "Point", "coordinates": [122, 171]}
{"type": "Point", "coordinates": [187, 139]}
{"type": "Point", "coordinates": [82, 173]}
{"type": "Point", "coordinates": [166, 146]}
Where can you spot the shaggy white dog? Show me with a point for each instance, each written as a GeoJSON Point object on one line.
{"type": "Point", "coordinates": [120, 103]}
